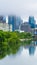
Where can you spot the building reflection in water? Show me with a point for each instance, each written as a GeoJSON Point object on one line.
{"type": "Point", "coordinates": [35, 42]}
{"type": "Point", "coordinates": [31, 50]}
{"type": "Point", "coordinates": [32, 47]}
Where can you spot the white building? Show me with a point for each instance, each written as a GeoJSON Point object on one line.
{"type": "Point", "coordinates": [5, 27]}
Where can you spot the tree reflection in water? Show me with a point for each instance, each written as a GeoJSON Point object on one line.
{"type": "Point", "coordinates": [12, 47]}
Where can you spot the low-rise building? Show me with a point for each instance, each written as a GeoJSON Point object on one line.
{"type": "Point", "coordinates": [26, 27]}
{"type": "Point", "coordinates": [5, 27]}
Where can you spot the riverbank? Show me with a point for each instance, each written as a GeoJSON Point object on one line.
{"type": "Point", "coordinates": [10, 42]}
{"type": "Point", "coordinates": [25, 39]}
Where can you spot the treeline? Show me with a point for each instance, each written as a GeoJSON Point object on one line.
{"type": "Point", "coordinates": [10, 42]}
{"type": "Point", "coordinates": [12, 36]}
{"type": "Point", "coordinates": [24, 35]}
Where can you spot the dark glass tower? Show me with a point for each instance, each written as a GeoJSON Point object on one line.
{"type": "Point", "coordinates": [15, 22]}
{"type": "Point", "coordinates": [12, 20]}
{"type": "Point", "coordinates": [32, 21]}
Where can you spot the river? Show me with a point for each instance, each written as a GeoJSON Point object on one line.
{"type": "Point", "coordinates": [27, 55]}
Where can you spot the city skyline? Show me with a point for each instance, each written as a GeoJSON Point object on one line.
{"type": "Point", "coordinates": [24, 19]}
{"type": "Point", "coordinates": [23, 8]}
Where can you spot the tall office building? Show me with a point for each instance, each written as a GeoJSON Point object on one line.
{"type": "Point", "coordinates": [15, 21]}
{"type": "Point", "coordinates": [11, 21]}
{"type": "Point", "coordinates": [19, 21]}
{"type": "Point", "coordinates": [32, 21]}
{"type": "Point", "coordinates": [2, 19]}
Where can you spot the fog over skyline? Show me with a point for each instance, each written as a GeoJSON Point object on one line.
{"type": "Point", "coordinates": [23, 8]}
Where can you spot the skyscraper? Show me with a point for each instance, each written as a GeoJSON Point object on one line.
{"type": "Point", "coordinates": [2, 19]}
{"type": "Point", "coordinates": [15, 21]}
{"type": "Point", "coordinates": [18, 23]}
{"type": "Point", "coordinates": [11, 21]}
{"type": "Point", "coordinates": [32, 21]}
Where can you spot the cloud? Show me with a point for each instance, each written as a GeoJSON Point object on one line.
{"type": "Point", "coordinates": [23, 8]}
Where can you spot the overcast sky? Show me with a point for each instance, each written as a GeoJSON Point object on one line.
{"type": "Point", "coordinates": [23, 8]}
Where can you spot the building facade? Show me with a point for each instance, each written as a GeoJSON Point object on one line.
{"type": "Point", "coordinates": [11, 21]}
{"type": "Point", "coordinates": [18, 23]}
{"type": "Point", "coordinates": [2, 19]}
{"type": "Point", "coordinates": [15, 21]}
{"type": "Point", "coordinates": [26, 27]}
{"type": "Point", "coordinates": [5, 27]}
{"type": "Point", "coordinates": [32, 21]}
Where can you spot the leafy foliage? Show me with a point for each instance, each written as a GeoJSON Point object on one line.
{"type": "Point", "coordinates": [10, 42]}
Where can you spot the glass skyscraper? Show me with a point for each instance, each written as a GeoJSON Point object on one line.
{"type": "Point", "coordinates": [11, 21]}
{"type": "Point", "coordinates": [15, 22]}
{"type": "Point", "coordinates": [32, 21]}
{"type": "Point", "coordinates": [18, 23]}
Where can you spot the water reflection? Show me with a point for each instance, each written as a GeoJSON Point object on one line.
{"type": "Point", "coordinates": [31, 47]}
{"type": "Point", "coordinates": [26, 55]}
{"type": "Point", "coordinates": [17, 49]}
{"type": "Point", "coordinates": [31, 50]}
{"type": "Point", "coordinates": [18, 53]}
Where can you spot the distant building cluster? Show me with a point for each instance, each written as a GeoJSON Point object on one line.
{"type": "Point", "coordinates": [30, 25]}
{"type": "Point", "coordinates": [15, 23]}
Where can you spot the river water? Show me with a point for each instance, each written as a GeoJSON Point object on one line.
{"type": "Point", "coordinates": [26, 56]}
